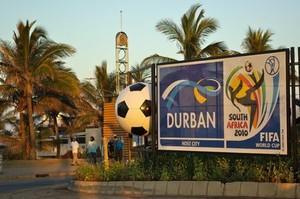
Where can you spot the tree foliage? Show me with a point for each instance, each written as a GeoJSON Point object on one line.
{"type": "Point", "coordinates": [257, 40]}
{"type": "Point", "coordinates": [192, 33]}
{"type": "Point", "coordinates": [28, 64]}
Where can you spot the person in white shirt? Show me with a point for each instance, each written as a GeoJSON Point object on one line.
{"type": "Point", "coordinates": [75, 147]}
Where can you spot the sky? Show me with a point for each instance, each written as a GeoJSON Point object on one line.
{"type": "Point", "coordinates": [90, 26]}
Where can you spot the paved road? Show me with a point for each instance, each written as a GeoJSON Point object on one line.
{"type": "Point", "coordinates": [15, 185]}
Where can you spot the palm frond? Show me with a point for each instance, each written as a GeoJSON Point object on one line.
{"type": "Point", "coordinates": [91, 93]}
{"type": "Point", "coordinates": [155, 59]}
{"type": "Point", "coordinates": [213, 50]}
{"type": "Point", "coordinates": [105, 82]}
{"type": "Point", "coordinates": [257, 40]}
{"type": "Point", "coordinates": [54, 104]}
{"type": "Point", "coordinates": [206, 27]}
{"type": "Point", "coordinates": [192, 33]}
{"type": "Point", "coordinates": [171, 30]}
{"type": "Point", "coordinates": [53, 51]}
{"type": "Point", "coordinates": [139, 74]}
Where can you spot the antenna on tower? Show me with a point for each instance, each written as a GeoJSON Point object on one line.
{"type": "Point", "coordinates": [121, 20]}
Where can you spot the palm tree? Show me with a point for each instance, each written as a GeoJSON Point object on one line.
{"type": "Point", "coordinates": [139, 73]}
{"type": "Point", "coordinates": [257, 41]}
{"type": "Point", "coordinates": [28, 61]}
{"type": "Point", "coordinates": [155, 59]}
{"type": "Point", "coordinates": [103, 88]}
{"type": "Point", "coordinates": [105, 82]}
{"type": "Point", "coordinates": [85, 115]}
{"type": "Point", "coordinates": [192, 33]}
{"type": "Point", "coordinates": [56, 96]}
{"type": "Point", "coordinates": [94, 95]}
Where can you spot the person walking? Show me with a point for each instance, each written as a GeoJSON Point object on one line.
{"type": "Point", "coordinates": [110, 147]}
{"type": "Point", "coordinates": [74, 147]}
{"type": "Point", "coordinates": [119, 149]}
{"type": "Point", "coordinates": [92, 150]}
{"type": "Point", "coordinates": [114, 149]}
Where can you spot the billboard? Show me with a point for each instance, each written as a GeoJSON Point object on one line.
{"type": "Point", "coordinates": [235, 104]}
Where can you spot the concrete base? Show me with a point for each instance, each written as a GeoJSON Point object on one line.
{"type": "Point", "coordinates": [190, 188]}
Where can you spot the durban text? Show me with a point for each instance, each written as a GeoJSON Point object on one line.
{"type": "Point", "coordinates": [191, 120]}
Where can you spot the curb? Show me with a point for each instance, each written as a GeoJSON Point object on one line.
{"type": "Point", "coordinates": [37, 175]}
{"type": "Point", "coordinates": [189, 188]}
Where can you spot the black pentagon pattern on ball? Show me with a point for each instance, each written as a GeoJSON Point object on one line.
{"type": "Point", "coordinates": [122, 109]}
{"type": "Point", "coordinates": [146, 108]}
{"type": "Point", "coordinates": [137, 87]}
{"type": "Point", "coordinates": [138, 131]}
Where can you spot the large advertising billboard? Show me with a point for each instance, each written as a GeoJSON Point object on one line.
{"type": "Point", "coordinates": [235, 104]}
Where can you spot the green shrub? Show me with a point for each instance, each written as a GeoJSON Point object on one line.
{"type": "Point", "coordinates": [200, 170]}
{"type": "Point", "coordinates": [136, 171]}
{"type": "Point", "coordinates": [219, 169]}
{"type": "Point", "coordinates": [165, 174]}
{"type": "Point", "coordinates": [116, 172]}
{"type": "Point", "coordinates": [193, 166]}
{"type": "Point", "coordinates": [90, 172]}
{"type": "Point", "coordinates": [278, 172]}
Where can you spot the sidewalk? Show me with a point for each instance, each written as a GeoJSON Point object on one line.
{"type": "Point", "coordinates": [21, 169]}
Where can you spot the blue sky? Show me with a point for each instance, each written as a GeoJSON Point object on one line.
{"type": "Point", "coordinates": [91, 25]}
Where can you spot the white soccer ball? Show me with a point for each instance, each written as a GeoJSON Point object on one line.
{"type": "Point", "coordinates": [133, 108]}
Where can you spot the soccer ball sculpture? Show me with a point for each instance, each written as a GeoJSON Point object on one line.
{"type": "Point", "coordinates": [133, 108]}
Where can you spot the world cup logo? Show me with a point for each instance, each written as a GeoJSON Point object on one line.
{"type": "Point", "coordinates": [272, 65]}
{"type": "Point", "coordinates": [246, 89]}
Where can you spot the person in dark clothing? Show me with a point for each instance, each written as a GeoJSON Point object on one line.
{"type": "Point", "coordinates": [119, 149]}
{"type": "Point", "coordinates": [111, 147]}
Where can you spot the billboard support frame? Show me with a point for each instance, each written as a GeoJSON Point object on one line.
{"type": "Point", "coordinates": [292, 87]}
{"type": "Point", "coordinates": [153, 109]}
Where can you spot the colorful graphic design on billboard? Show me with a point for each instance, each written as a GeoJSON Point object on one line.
{"type": "Point", "coordinates": [235, 104]}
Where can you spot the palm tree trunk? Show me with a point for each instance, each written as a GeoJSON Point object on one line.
{"type": "Point", "coordinates": [24, 138]}
{"type": "Point", "coordinates": [30, 122]}
{"type": "Point", "coordinates": [57, 136]}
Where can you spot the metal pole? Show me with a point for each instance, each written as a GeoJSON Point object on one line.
{"type": "Point", "coordinates": [296, 128]}
{"type": "Point", "coordinates": [293, 109]}
{"type": "Point", "coordinates": [153, 108]}
{"type": "Point", "coordinates": [105, 151]}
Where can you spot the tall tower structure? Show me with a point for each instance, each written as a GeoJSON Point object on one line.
{"type": "Point", "coordinates": [122, 62]}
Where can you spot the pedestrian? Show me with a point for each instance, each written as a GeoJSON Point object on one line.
{"type": "Point", "coordinates": [92, 150]}
{"type": "Point", "coordinates": [114, 144]}
{"type": "Point", "coordinates": [110, 147]}
{"type": "Point", "coordinates": [119, 149]}
{"type": "Point", "coordinates": [74, 147]}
